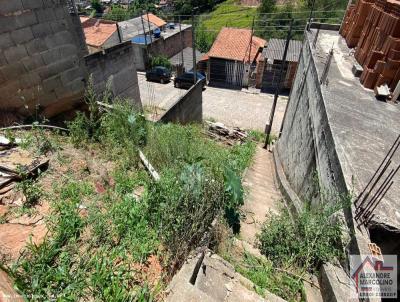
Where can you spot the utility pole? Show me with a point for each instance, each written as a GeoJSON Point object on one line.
{"type": "Point", "coordinates": [251, 39]}
{"type": "Point", "coordinates": [311, 15]}
{"type": "Point", "coordinates": [194, 49]}
{"type": "Point", "coordinates": [145, 43]}
{"type": "Point", "coordinates": [144, 30]}
{"type": "Point", "coordinates": [278, 86]}
{"type": "Point", "coordinates": [148, 22]}
{"type": "Point", "coordinates": [182, 45]}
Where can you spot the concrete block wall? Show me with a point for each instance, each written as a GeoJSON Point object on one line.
{"type": "Point", "coordinates": [188, 109]}
{"type": "Point", "coordinates": [306, 147]}
{"type": "Point", "coordinates": [115, 64]}
{"type": "Point", "coordinates": [172, 45]}
{"type": "Point", "coordinates": [41, 57]}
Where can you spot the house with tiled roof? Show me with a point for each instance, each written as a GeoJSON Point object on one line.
{"type": "Point", "coordinates": [270, 63]}
{"type": "Point", "coordinates": [233, 57]}
{"type": "Point", "coordinates": [157, 21]}
{"type": "Point", "coordinates": [99, 34]}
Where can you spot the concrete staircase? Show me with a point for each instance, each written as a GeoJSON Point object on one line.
{"type": "Point", "coordinates": [212, 279]}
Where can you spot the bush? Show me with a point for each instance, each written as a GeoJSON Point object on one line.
{"type": "Point", "coordinates": [123, 130]}
{"type": "Point", "coordinates": [182, 207]}
{"type": "Point", "coordinates": [310, 239]}
{"type": "Point", "coordinates": [161, 61]}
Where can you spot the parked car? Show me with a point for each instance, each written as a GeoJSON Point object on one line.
{"type": "Point", "coordinates": [158, 74]}
{"type": "Point", "coordinates": [186, 80]}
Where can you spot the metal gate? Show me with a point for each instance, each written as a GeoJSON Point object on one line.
{"type": "Point", "coordinates": [271, 76]}
{"type": "Point", "coordinates": [234, 71]}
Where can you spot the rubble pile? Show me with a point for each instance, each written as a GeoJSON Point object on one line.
{"type": "Point", "coordinates": [229, 136]}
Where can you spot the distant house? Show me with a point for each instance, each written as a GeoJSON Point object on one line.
{"type": "Point", "coordinates": [168, 42]}
{"type": "Point", "coordinates": [184, 58]}
{"type": "Point", "coordinates": [99, 34]}
{"type": "Point", "coordinates": [160, 23]}
{"type": "Point", "coordinates": [270, 63]}
{"type": "Point", "coordinates": [233, 57]}
{"type": "Point", "coordinates": [134, 27]}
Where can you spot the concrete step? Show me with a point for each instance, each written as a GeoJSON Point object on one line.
{"type": "Point", "coordinates": [312, 291]}
{"type": "Point", "coordinates": [216, 281]}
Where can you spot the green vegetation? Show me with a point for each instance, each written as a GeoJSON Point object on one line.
{"type": "Point", "coordinates": [306, 241]}
{"type": "Point", "coordinates": [118, 13]}
{"type": "Point", "coordinates": [110, 225]}
{"type": "Point", "coordinates": [229, 14]}
{"type": "Point", "coordinates": [270, 20]}
{"type": "Point", "coordinates": [96, 5]}
{"type": "Point", "coordinates": [266, 277]}
{"type": "Point", "coordinates": [161, 61]}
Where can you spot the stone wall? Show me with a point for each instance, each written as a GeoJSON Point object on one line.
{"type": "Point", "coordinates": [306, 148]}
{"type": "Point", "coordinates": [188, 109]}
{"type": "Point", "coordinates": [41, 57]}
{"type": "Point", "coordinates": [115, 64]}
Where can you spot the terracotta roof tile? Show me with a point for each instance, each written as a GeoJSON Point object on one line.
{"type": "Point", "coordinates": [155, 20]}
{"type": "Point", "coordinates": [97, 31]}
{"type": "Point", "coordinates": [234, 44]}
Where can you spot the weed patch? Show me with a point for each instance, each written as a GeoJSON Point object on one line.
{"type": "Point", "coordinates": [313, 237]}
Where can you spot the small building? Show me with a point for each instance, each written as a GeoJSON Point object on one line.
{"type": "Point", "coordinates": [184, 59]}
{"type": "Point", "coordinates": [233, 57]}
{"type": "Point", "coordinates": [134, 27]}
{"type": "Point", "coordinates": [160, 23]}
{"type": "Point", "coordinates": [270, 62]}
{"type": "Point", "coordinates": [99, 34]}
{"type": "Point", "coordinates": [169, 41]}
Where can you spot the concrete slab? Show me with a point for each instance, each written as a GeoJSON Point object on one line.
{"type": "Point", "coordinates": [241, 109]}
{"type": "Point", "coordinates": [363, 128]}
{"type": "Point", "coordinates": [216, 281]}
{"type": "Point", "coordinates": [263, 195]}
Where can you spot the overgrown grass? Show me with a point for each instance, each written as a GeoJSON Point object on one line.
{"type": "Point", "coordinates": [230, 14]}
{"type": "Point", "coordinates": [99, 242]}
{"type": "Point", "coordinates": [267, 278]}
{"type": "Point", "coordinates": [226, 14]}
{"type": "Point", "coordinates": [307, 240]}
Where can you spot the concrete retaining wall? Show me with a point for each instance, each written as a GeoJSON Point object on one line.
{"type": "Point", "coordinates": [172, 45]}
{"type": "Point", "coordinates": [306, 147]}
{"type": "Point", "coordinates": [41, 57]}
{"type": "Point", "coordinates": [115, 64]}
{"type": "Point", "coordinates": [188, 109]}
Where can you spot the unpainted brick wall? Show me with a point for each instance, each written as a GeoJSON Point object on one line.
{"type": "Point", "coordinates": [115, 64]}
{"type": "Point", "coordinates": [188, 109]}
{"type": "Point", "coordinates": [41, 57]}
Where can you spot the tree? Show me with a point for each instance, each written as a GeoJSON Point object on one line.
{"type": "Point", "coordinates": [267, 6]}
{"type": "Point", "coordinates": [117, 14]}
{"type": "Point", "coordinates": [96, 5]}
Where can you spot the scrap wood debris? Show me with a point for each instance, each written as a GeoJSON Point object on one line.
{"type": "Point", "coordinates": [13, 163]}
{"type": "Point", "coordinates": [229, 136]}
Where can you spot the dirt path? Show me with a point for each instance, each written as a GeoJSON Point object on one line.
{"type": "Point", "coordinates": [262, 195]}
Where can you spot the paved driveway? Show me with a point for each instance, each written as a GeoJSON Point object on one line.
{"type": "Point", "coordinates": [242, 109]}
{"type": "Point", "coordinates": [162, 96]}
{"type": "Point", "coordinates": [231, 107]}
